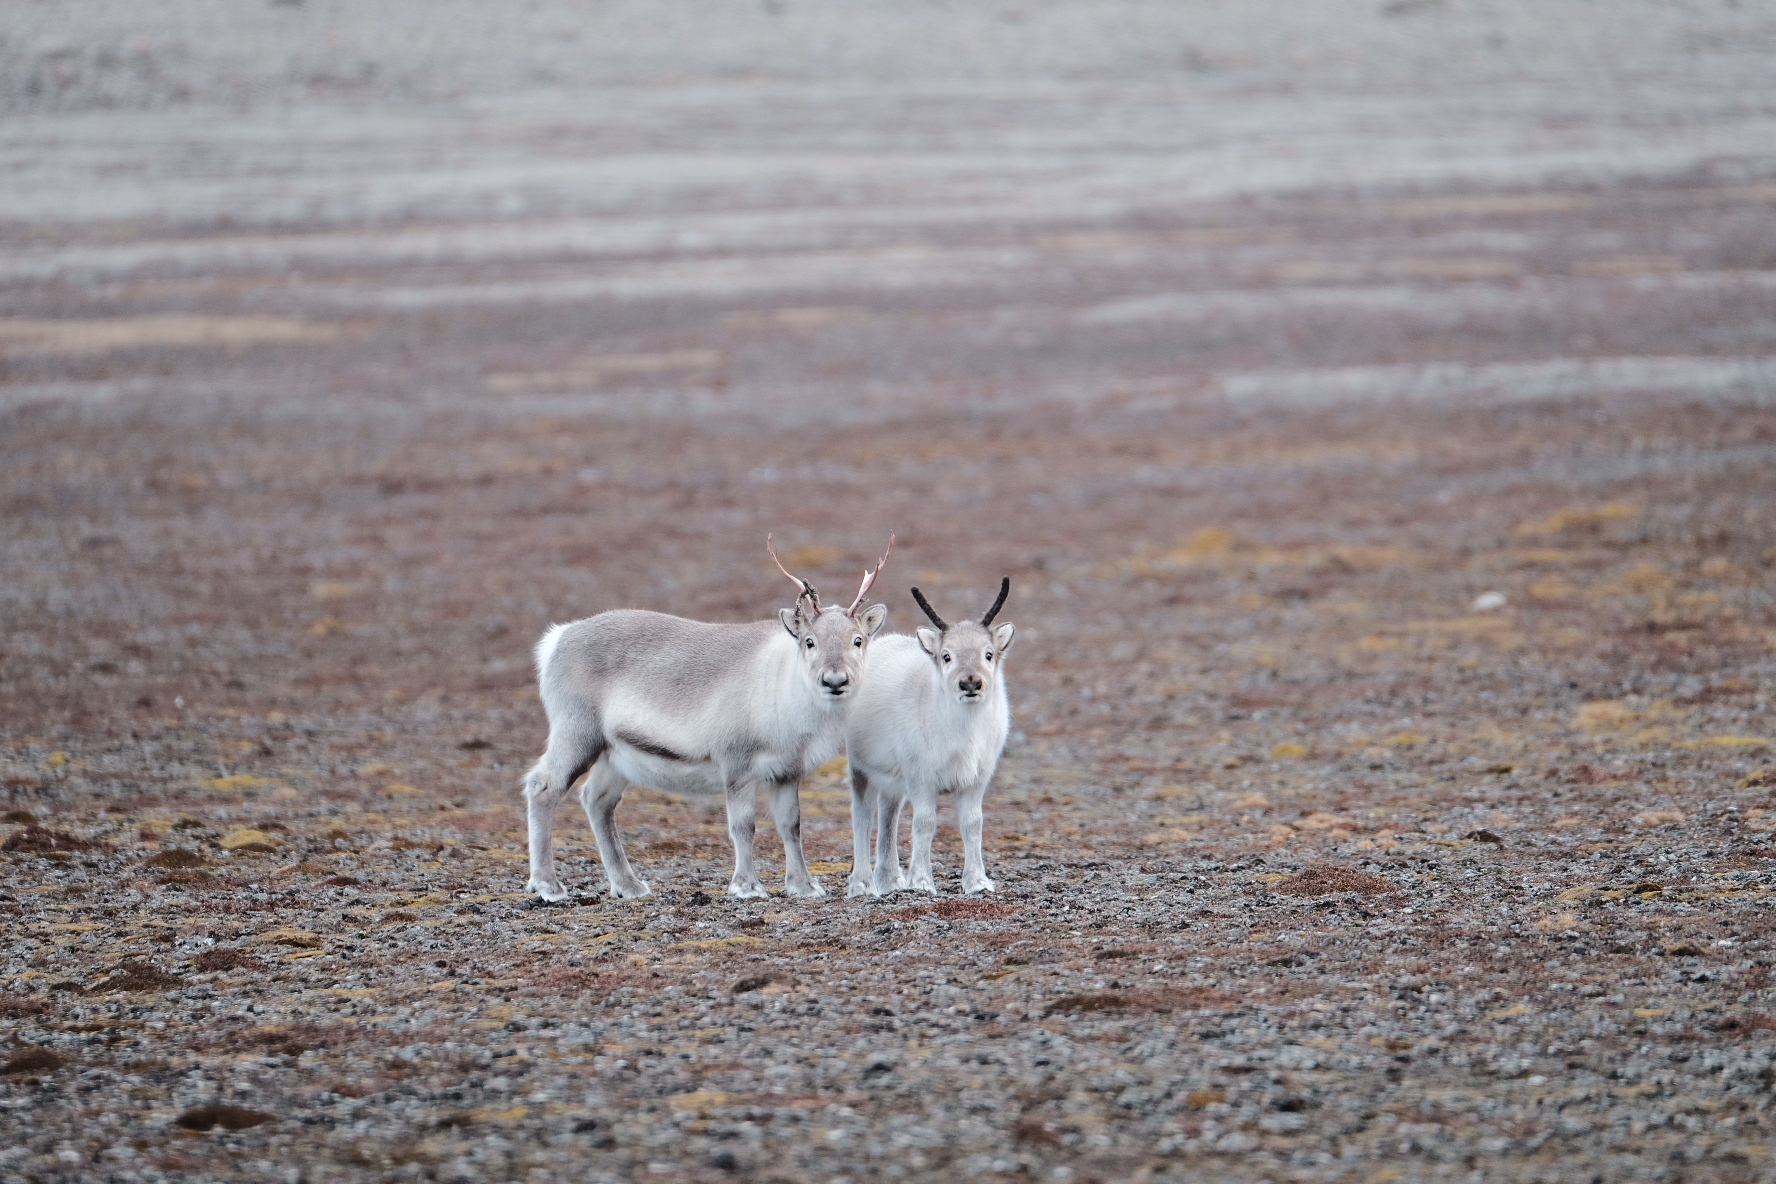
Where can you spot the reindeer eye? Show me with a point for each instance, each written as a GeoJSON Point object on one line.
{"type": "Point", "coordinates": [810, 643]}
{"type": "Point", "coordinates": [989, 655]}
{"type": "Point", "coordinates": [858, 642]}
{"type": "Point", "coordinates": [946, 658]}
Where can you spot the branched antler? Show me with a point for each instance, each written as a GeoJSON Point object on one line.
{"type": "Point", "coordinates": [869, 577]}
{"type": "Point", "coordinates": [1004, 591]}
{"type": "Point", "coordinates": [929, 611]}
{"type": "Point", "coordinates": [808, 591]}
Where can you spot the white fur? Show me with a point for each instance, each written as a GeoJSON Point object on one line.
{"type": "Point", "coordinates": [911, 736]}
{"type": "Point", "coordinates": [691, 708]}
{"type": "Point", "coordinates": [545, 649]}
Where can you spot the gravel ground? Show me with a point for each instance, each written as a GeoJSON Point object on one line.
{"type": "Point", "coordinates": [1373, 405]}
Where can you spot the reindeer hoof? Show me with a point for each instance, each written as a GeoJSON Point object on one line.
{"type": "Point", "coordinates": [859, 888]}
{"type": "Point", "coordinates": [749, 891]}
{"type": "Point", "coordinates": [981, 885]}
{"type": "Point", "coordinates": [548, 891]}
{"type": "Point", "coordinates": [630, 892]}
{"type": "Point", "coordinates": [809, 891]}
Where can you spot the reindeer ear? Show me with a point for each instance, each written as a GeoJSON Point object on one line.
{"type": "Point", "coordinates": [788, 617]}
{"type": "Point", "coordinates": [1002, 635]}
{"type": "Point", "coordinates": [930, 640]}
{"type": "Point", "coordinates": [872, 619]}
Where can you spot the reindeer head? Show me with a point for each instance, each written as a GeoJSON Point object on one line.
{"type": "Point", "coordinates": [968, 654]}
{"type": "Point", "coordinates": [833, 641]}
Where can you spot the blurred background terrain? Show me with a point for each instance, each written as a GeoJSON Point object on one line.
{"type": "Point", "coordinates": [345, 347]}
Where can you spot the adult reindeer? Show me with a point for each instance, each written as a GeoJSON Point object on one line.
{"type": "Point", "coordinates": [642, 698]}
{"type": "Point", "coordinates": [931, 718]}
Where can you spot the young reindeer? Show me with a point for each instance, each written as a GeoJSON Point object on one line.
{"type": "Point", "coordinates": [642, 698]}
{"type": "Point", "coordinates": [931, 719]}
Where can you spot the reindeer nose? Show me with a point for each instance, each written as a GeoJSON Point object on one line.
{"type": "Point", "coordinates": [971, 685]}
{"type": "Point", "coordinates": [835, 680]}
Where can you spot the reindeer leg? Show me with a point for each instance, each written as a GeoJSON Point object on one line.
{"type": "Point", "coordinates": [600, 795]}
{"type": "Point", "coordinates": [568, 755]}
{"type": "Point", "coordinates": [742, 810]}
{"type": "Point", "coordinates": [887, 876]}
{"type": "Point", "coordinates": [786, 812]}
{"type": "Point", "coordinates": [863, 805]}
{"type": "Point", "coordinates": [974, 864]}
{"type": "Point", "coordinates": [900, 875]}
{"type": "Point", "coordinates": [924, 830]}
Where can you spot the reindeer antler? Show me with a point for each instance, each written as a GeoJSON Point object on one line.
{"type": "Point", "coordinates": [807, 588]}
{"type": "Point", "coordinates": [1004, 591]}
{"type": "Point", "coordinates": [926, 605]}
{"type": "Point", "coordinates": [869, 577]}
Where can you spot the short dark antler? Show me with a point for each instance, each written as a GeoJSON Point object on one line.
{"type": "Point", "coordinates": [926, 605]}
{"type": "Point", "coordinates": [1004, 591]}
{"type": "Point", "coordinates": [807, 588]}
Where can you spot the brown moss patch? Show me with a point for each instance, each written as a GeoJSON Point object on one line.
{"type": "Point", "coordinates": [342, 882]}
{"type": "Point", "coordinates": [771, 982]}
{"type": "Point", "coordinates": [194, 876]}
{"type": "Point", "coordinates": [229, 1118]}
{"type": "Point", "coordinates": [1746, 1023]}
{"type": "Point", "coordinates": [32, 1059]}
{"type": "Point", "coordinates": [41, 840]}
{"type": "Point", "coordinates": [19, 818]}
{"type": "Point", "coordinates": [1186, 999]}
{"type": "Point", "coordinates": [176, 857]}
{"type": "Point", "coordinates": [134, 976]}
{"type": "Point", "coordinates": [225, 959]}
{"type": "Point", "coordinates": [19, 1005]}
{"type": "Point", "coordinates": [1325, 880]}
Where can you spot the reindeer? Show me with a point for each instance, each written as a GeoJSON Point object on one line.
{"type": "Point", "coordinates": [689, 707]}
{"type": "Point", "coordinates": [931, 718]}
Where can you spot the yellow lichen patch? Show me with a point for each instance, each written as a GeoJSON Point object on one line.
{"type": "Point", "coordinates": [21, 337]}
{"type": "Point", "coordinates": [1576, 518]}
{"type": "Point", "coordinates": [300, 938]}
{"type": "Point", "coordinates": [325, 590]}
{"type": "Point", "coordinates": [1405, 739]}
{"type": "Point", "coordinates": [1730, 742]}
{"type": "Point", "coordinates": [1462, 625]}
{"type": "Point", "coordinates": [596, 368]}
{"type": "Point", "coordinates": [1380, 644]}
{"type": "Point", "coordinates": [828, 867]}
{"type": "Point", "coordinates": [1637, 581]}
{"type": "Point", "coordinates": [248, 839]}
{"type": "Point", "coordinates": [496, 1114]}
{"type": "Point", "coordinates": [713, 943]}
{"type": "Point", "coordinates": [56, 759]}
{"type": "Point", "coordinates": [1558, 922]}
{"type": "Point", "coordinates": [1553, 588]}
{"type": "Point", "coordinates": [1164, 838]}
{"type": "Point", "coordinates": [1211, 542]}
{"type": "Point", "coordinates": [1288, 751]}
{"type": "Point", "coordinates": [1505, 1013]}
{"type": "Point", "coordinates": [1485, 205]}
{"type": "Point", "coordinates": [833, 768]}
{"type": "Point", "coordinates": [1657, 817]}
{"type": "Point", "coordinates": [1320, 820]}
{"type": "Point", "coordinates": [238, 781]}
{"type": "Point", "coordinates": [702, 1100]}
